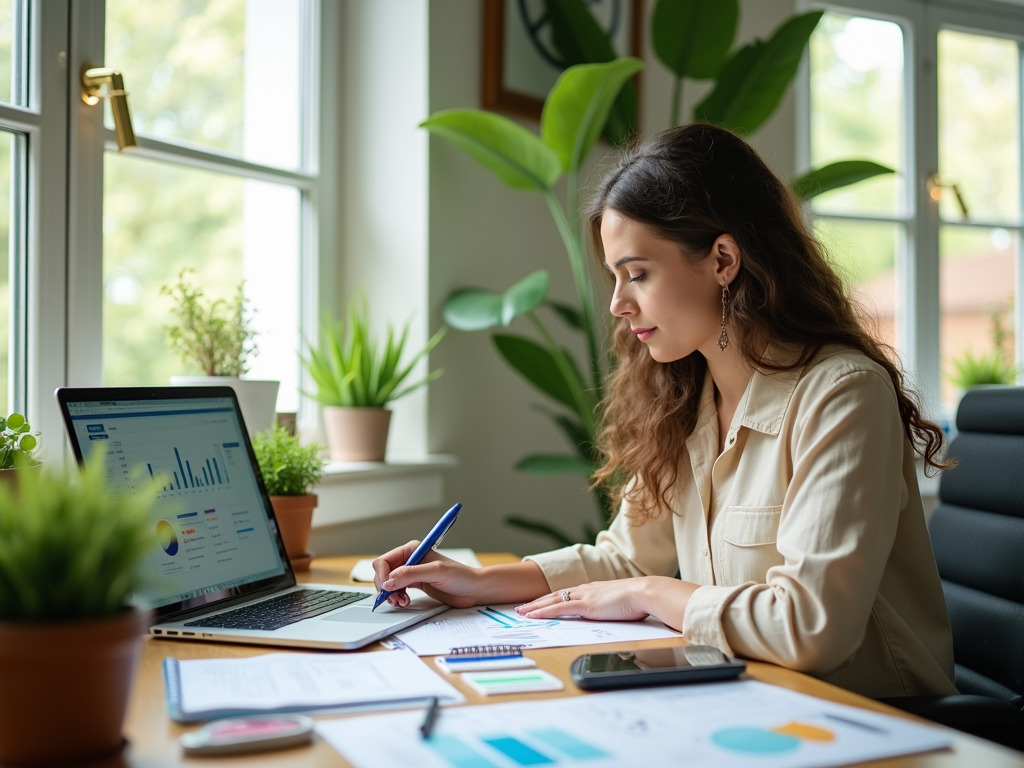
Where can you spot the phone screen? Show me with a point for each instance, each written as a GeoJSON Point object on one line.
{"type": "Point", "coordinates": [654, 658]}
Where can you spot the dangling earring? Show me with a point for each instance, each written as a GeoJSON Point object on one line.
{"type": "Point", "coordinates": [723, 337]}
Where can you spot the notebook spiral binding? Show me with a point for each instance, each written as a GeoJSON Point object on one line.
{"type": "Point", "coordinates": [487, 650]}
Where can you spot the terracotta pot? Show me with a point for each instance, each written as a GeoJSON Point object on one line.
{"type": "Point", "coordinates": [295, 519]}
{"type": "Point", "coordinates": [9, 477]}
{"type": "Point", "coordinates": [65, 688]}
{"type": "Point", "coordinates": [257, 399]}
{"type": "Point", "coordinates": [357, 434]}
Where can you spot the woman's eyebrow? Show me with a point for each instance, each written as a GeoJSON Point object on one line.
{"type": "Point", "coordinates": [623, 260]}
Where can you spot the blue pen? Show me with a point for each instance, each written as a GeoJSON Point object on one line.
{"type": "Point", "coordinates": [430, 542]}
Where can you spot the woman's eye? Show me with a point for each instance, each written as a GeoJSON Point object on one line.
{"type": "Point", "coordinates": [637, 278]}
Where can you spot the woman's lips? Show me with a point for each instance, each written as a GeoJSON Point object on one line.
{"type": "Point", "coordinates": [643, 333]}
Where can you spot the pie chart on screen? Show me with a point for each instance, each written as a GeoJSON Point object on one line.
{"type": "Point", "coordinates": [167, 538]}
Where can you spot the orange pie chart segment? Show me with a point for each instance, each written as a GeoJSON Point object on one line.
{"type": "Point", "coordinates": [805, 731]}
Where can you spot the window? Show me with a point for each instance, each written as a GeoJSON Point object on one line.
{"type": "Point", "coordinates": [225, 99]}
{"type": "Point", "coordinates": [932, 253]}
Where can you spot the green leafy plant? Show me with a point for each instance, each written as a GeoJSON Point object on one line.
{"type": "Point", "coordinates": [352, 371]}
{"type": "Point", "coordinates": [68, 548]}
{"type": "Point", "coordinates": [16, 442]}
{"type": "Point", "coordinates": [971, 370]}
{"type": "Point", "coordinates": [217, 336]}
{"type": "Point", "coordinates": [288, 467]}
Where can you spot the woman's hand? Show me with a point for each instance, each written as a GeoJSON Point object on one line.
{"type": "Point", "coordinates": [617, 600]}
{"type": "Point", "coordinates": [440, 577]}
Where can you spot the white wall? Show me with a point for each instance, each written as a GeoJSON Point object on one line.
{"type": "Point", "coordinates": [476, 232]}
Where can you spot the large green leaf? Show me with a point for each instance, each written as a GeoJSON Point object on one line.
{"type": "Point", "coordinates": [515, 155]}
{"type": "Point", "coordinates": [473, 309]}
{"type": "Point", "coordinates": [525, 296]}
{"type": "Point", "coordinates": [579, 104]}
{"type": "Point", "coordinates": [692, 37]}
{"type": "Point", "coordinates": [579, 39]}
{"type": "Point", "coordinates": [537, 366]}
{"type": "Point", "coordinates": [752, 82]}
{"type": "Point", "coordinates": [545, 465]}
{"type": "Point", "coordinates": [570, 315]}
{"type": "Point", "coordinates": [836, 175]}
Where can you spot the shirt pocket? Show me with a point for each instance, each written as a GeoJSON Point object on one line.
{"type": "Point", "coordinates": [747, 545]}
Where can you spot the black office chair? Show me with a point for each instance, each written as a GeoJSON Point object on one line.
{"type": "Point", "coordinates": [977, 533]}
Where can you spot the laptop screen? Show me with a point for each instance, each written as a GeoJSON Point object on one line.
{"type": "Point", "coordinates": [213, 532]}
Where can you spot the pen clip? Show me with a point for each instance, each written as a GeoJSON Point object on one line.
{"type": "Point", "coordinates": [443, 534]}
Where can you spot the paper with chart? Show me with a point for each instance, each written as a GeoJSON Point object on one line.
{"type": "Point", "coordinates": [490, 625]}
{"type": "Point", "coordinates": [716, 725]}
{"type": "Point", "coordinates": [277, 681]}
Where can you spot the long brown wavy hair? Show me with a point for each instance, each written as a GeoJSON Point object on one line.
{"type": "Point", "coordinates": [690, 185]}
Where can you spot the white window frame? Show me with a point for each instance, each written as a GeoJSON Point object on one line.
{"type": "Point", "coordinates": [921, 22]}
{"type": "Point", "coordinates": [65, 238]}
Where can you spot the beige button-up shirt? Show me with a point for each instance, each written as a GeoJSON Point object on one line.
{"type": "Point", "coordinates": [806, 534]}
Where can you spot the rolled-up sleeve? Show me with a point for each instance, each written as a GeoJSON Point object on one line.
{"type": "Point", "coordinates": [623, 551]}
{"type": "Point", "coordinates": [839, 520]}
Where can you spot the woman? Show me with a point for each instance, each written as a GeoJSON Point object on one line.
{"type": "Point", "coordinates": [767, 443]}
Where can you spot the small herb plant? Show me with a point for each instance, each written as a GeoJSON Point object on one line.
{"type": "Point", "coordinates": [351, 371]}
{"type": "Point", "coordinates": [68, 548]}
{"type": "Point", "coordinates": [217, 336]}
{"type": "Point", "coordinates": [288, 468]}
{"type": "Point", "coordinates": [16, 442]}
{"type": "Point", "coordinates": [970, 370]}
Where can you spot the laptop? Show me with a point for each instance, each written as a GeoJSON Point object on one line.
{"type": "Point", "coordinates": [219, 571]}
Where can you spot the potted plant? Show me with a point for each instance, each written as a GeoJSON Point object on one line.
{"type": "Point", "coordinates": [217, 337]}
{"type": "Point", "coordinates": [289, 470]}
{"type": "Point", "coordinates": [356, 379]}
{"type": "Point", "coordinates": [17, 444]}
{"type": "Point", "coordinates": [69, 553]}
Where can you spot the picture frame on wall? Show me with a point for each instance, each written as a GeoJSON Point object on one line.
{"type": "Point", "coordinates": [520, 62]}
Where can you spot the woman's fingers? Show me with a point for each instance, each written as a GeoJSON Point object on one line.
{"type": "Point", "coordinates": [386, 563]}
{"type": "Point", "coordinates": [414, 575]}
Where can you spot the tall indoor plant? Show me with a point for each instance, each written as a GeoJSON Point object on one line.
{"type": "Point", "coordinates": [289, 470]}
{"type": "Point", "coordinates": [217, 337]}
{"type": "Point", "coordinates": [356, 379]}
{"type": "Point", "coordinates": [69, 553]}
{"type": "Point", "coordinates": [693, 37]}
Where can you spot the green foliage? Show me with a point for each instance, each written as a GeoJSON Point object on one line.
{"type": "Point", "coordinates": [692, 37]}
{"type": "Point", "coordinates": [68, 548]}
{"type": "Point", "coordinates": [352, 371]}
{"type": "Point", "coordinates": [16, 442]}
{"type": "Point", "coordinates": [970, 370]}
{"type": "Point", "coordinates": [288, 467]}
{"type": "Point", "coordinates": [752, 82]}
{"type": "Point", "coordinates": [217, 336]}
{"type": "Point", "coordinates": [836, 175]}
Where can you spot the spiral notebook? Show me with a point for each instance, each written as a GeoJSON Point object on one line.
{"type": "Point", "coordinates": [482, 658]}
{"type": "Point", "coordinates": [205, 689]}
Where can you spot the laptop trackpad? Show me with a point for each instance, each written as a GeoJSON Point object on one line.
{"type": "Point", "coordinates": [362, 615]}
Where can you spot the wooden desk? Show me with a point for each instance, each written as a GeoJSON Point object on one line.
{"type": "Point", "coordinates": [154, 736]}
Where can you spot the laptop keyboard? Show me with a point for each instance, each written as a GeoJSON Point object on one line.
{"type": "Point", "coordinates": [280, 611]}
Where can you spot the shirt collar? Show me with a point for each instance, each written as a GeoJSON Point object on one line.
{"type": "Point", "coordinates": [769, 392]}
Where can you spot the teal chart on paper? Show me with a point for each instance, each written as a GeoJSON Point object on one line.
{"type": "Point", "coordinates": [718, 725]}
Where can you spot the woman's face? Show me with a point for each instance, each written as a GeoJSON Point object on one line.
{"type": "Point", "coordinates": [672, 304]}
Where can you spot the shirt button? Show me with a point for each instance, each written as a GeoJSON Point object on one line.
{"type": "Point", "coordinates": [705, 553]}
{"type": "Point", "coordinates": [732, 439]}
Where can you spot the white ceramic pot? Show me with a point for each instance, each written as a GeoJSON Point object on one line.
{"type": "Point", "coordinates": [257, 399]}
{"type": "Point", "coordinates": [357, 434]}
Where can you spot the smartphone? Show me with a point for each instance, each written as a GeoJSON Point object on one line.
{"type": "Point", "coordinates": [654, 666]}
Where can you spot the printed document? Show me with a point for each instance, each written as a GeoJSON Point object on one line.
{"type": "Point", "coordinates": [715, 725]}
{"type": "Point", "coordinates": [501, 625]}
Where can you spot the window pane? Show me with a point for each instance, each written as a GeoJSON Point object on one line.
{"type": "Point", "coordinates": [865, 255]}
{"type": "Point", "coordinates": [977, 299]}
{"type": "Point", "coordinates": [223, 74]}
{"type": "Point", "coordinates": [979, 93]}
{"type": "Point", "coordinates": [160, 218]}
{"type": "Point", "coordinates": [13, 52]}
{"type": "Point", "coordinates": [857, 108]}
{"type": "Point", "coordinates": [7, 299]}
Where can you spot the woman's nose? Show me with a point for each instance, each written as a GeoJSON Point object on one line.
{"type": "Point", "coordinates": [621, 305]}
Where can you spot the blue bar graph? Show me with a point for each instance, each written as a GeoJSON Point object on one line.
{"type": "Point", "coordinates": [176, 482]}
{"type": "Point", "coordinates": [518, 751]}
{"type": "Point", "coordinates": [456, 752]}
{"type": "Point", "coordinates": [178, 457]}
{"type": "Point", "coordinates": [206, 478]}
{"type": "Point", "coordinates": [568, 744]}
{"type": "Point", "coordinates": [206, 475]}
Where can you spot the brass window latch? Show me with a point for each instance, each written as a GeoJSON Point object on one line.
{"type": "Point", "coordinates": [93, 80]}
{"type": "Point", "coordinates": [937, 182]}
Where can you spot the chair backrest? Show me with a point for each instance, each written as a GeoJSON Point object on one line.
{"type": "Point", "coordinates": [977, 532]}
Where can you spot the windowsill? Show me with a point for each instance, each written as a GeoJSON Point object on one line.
{"type": "Point", "coordinates": [354, 491]}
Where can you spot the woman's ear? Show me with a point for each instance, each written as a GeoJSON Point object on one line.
{"type": "Point", "coordinates": [726, 253]}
